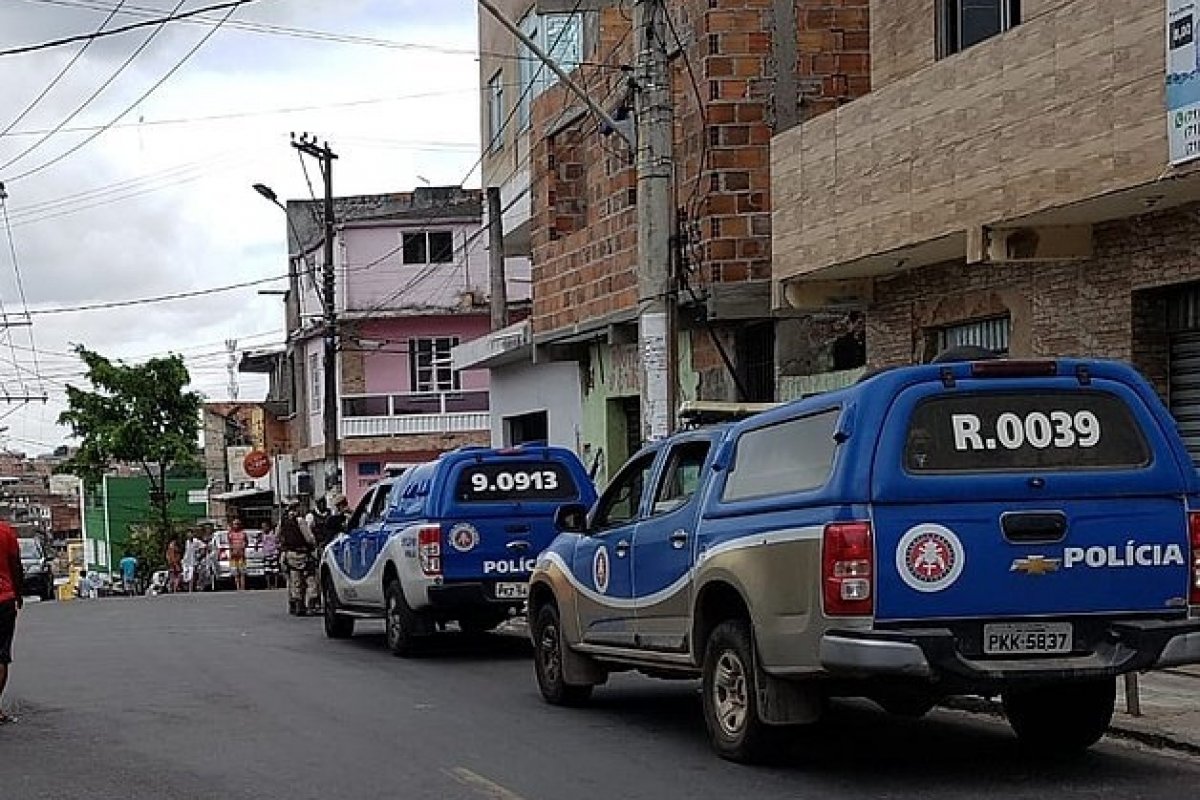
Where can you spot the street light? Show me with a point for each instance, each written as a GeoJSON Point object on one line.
{"type": "Point", "coordinates": [269, 193]}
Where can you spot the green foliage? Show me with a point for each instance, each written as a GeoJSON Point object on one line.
{"type": "Point", "coordinates": [137, 414]}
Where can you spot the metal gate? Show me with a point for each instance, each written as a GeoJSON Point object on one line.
{"type": "Point", "coordinates": [1185, 388]}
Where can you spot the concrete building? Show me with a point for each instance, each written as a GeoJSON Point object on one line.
{"type": "Point", "coordinates": [741, 70]}
{"type": "Point", "coordinates": [119, 506]}
{"type": "Point", "coordinates": [237, 434]}
{"type": "Point", "coordinates": [411, 285]}
{"type": "Point", "coordinates": [1013, 179]}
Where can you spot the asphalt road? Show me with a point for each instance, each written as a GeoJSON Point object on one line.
{"type": "Point", "coordinates": [225, 696]}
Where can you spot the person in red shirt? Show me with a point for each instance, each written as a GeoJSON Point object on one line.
{"type": "Point", "coordinates": [237, 553]}
{"type": "Point", "coordinates": [12, 577]}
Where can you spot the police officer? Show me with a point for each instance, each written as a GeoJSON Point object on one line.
{"type": "Point", "coordinates": [298, 546]}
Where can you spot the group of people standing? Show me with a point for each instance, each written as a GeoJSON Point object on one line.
{"type": "Point", "coordinates": [302, 538]}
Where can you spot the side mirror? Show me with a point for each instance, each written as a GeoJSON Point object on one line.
{"type": "Point", "coordinates": [571, 518]}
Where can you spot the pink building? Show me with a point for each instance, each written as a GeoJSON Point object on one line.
{"type": "Point", "coordinates": [412, 284]}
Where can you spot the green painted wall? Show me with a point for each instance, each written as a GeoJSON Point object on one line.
{"type": "Point", "coordinates": [121, 503]}
{"type": "Point", "coordinates": [610, 375]}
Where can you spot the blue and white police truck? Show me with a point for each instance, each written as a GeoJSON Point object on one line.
{"type": "Point", "coordinates": [453, 540]}
{"type": "Point", "coordinates": [1021, 529]}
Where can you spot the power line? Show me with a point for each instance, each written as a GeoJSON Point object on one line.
{"type": "Point", "coordinates": [61, 74]}
{"type": "Point", "coordinates": [101, 34]}
{"type": "Point", "coordinates": [79, 109]}
{"type": "Point", "coordinates": [42, 312]}
{"type": "Point", "coordinates": [16, 265]}
{"type": "Point", "coordinates": [178, 65]}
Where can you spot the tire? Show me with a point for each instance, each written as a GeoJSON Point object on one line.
{"type": "Point", "coordinates": [729, 690]}
{"type": "Point", "coordinates": [401, 623]}
{"type": "Point", "coordinates": [336, 625]}
{"type": "Point", "coordinates": [1061, 719]}
{"type": "Point", "coordinates": [547, 661]}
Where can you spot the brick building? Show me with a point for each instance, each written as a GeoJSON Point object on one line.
{"type": "Point", "coordinates": [1007, 182]}
{"type": "Point", "coordinates": [740, 71]}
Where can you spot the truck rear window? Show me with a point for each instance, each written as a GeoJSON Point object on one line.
{"type": "Point", "coordinates": [1045, 430]}
{"type": "Point", "coordinates": [515, 481]}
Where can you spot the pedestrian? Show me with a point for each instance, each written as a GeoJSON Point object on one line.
{"type": "Point", "coordinates": [12, 580]}
{"type": "Point", "coordinates": [174, 566]}
{"type": "Point", "coordinates": [129, 573]}
{"type": "Point", "coordinates": [298, 546]}
{"type": "Point", "coordinates": [335, 524]}
{"type": "Point", "coordinates": [270, 555]}
{"type": "Point", "coordinates": [237, 554]}
{"type": "Point", "coordinates": [188, 565]}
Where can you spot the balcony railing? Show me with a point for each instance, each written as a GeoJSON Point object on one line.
{"type": "Point", "coordinates": [415, 413]}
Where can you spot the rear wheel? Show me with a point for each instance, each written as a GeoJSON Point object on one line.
{"type": "Point", "coordinates": [729, 688]}
{"type": "Point", "coordinates": [337, 626]}
{"type": "Point", "coordinates": [1061, 718]}
{"type": "Point", "coordinates": [400, 622]}
{"type": "Point", "coordinates": [548, 661]}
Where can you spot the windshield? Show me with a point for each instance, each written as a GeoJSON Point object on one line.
{"type": "Point", "coordinates": [515, 480]}
{"type": "Point", "coordinates": [1043, 430]}
{"type": "Point", "coordinates": [30, 549]}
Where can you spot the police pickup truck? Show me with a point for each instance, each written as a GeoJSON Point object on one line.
{"type": "Point", "coordinates": [1026, 529]}
{"type": "Point", "coordinates": [451, 540]}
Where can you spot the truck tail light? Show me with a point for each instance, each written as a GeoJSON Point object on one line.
{"type": "Point", "coordinates": [429, 549]}
{"type": "Point", "coordinates": [1194, 558]}
{"type": "Point", "coordinates": [848, 569]}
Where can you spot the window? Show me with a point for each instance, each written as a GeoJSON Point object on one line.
{"type": "Point", "coordinates": [558, 35]}
{"type": "Point", "coordinates": [622, 498]}
{"type": "Point", "coordinates": [359, 517]}
{"type": "Point", "coordinates": [963, 23]}
{"type": "Point", "coordinates": [681, 478]}
{"type": "Point", "coordinates": [793, 456]}
{"type": "Point", "coordinates": [495, 108]}
{"type": "Point", "coordinates": [430, 364]}
{"type": "Point", "coordinates": [514, 482]}
{"type": "Point", "coordinates": [1007, 432]}
{"type": "Point", "coordinates": [428, 247]}
{"type": "Point", "coordinates": [993, 334]}
{"type": "Point", "coordinates": [314, 382]}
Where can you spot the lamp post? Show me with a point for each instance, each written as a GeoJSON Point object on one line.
{"type": "Point", "coordinates": [329, 309]}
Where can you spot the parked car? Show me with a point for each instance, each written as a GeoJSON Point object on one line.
{"type": "Point", "coordinates": [1027, 529]}
{"type": "Point", "coordinates": [158, 583]}
{"type": "Point", "coordinates": [39, 569]}
{"type": "Point", "coordinates": [453, 540]}
{"type": "Point", "coordinates": [255, 567]}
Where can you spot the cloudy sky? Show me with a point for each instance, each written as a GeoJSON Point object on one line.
{"type": "Point", "coordinates": [160, 202]}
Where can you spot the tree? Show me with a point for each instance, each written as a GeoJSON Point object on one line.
{"type": "Point", "coordinates": [137, 414]}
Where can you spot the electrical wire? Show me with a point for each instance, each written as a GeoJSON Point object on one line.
{"type": "Point", "coordinates": [90, 98]}
{"type": "Point", "coordinates": [61, 74]}
{"type": "Point", "coordinates": [16, 265]}
{"type": "Point", "coordinates": [92, 137]}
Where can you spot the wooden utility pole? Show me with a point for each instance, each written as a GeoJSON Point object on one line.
{"type": "Point", "coordinates": [496, 276]}
{"type": "Point", "coordinates": [325, 157]}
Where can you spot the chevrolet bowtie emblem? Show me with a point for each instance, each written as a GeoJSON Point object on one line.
{"type": "Point", "coordinates": [1036, 565]}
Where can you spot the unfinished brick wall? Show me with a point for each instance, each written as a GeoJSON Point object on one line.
{"type": "Point", "coordinates": [1111, 306]}
{"type": "Point", "coordinates": [725, 111]}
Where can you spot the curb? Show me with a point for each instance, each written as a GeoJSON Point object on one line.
{"type": "Point", "coordinates": [1159, 741]}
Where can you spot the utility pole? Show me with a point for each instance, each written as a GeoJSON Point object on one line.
{"type": "Point", "coordinates": [308, 146]}
{"type": "Point", "coordinates": [656, 308]}
{"type": "Point", "coordinates": [499, 298]}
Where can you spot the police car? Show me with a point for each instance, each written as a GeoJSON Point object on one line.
{"type": "Point", "coordinates": [451, 540]}
{"type": "Point", "coordinates": [1026, 529]}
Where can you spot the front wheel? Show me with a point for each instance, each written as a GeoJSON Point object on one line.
{"type": "Point", "coordinates": [548, 661]}
{"type": "Point", "coordinates": [1061, 719]}
{"type": "Point", "coordinates": [337, 626]}
{"type": "Point", "coordinates": [729, 688]}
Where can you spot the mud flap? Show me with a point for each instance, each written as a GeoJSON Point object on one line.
{"type": "Point", "coordinates": [785, 702]}
{"type": "Point", "coordinates": [580, 670]}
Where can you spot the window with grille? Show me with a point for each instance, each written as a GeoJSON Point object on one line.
{"type": "Point", "coordinates": [430, 364]}
{"type": "Point", "coordinates": [964, 23]}
{"type": "Point", "coordinates": [495, 110]}
{"type": "Point", "coordinates": [427, 247]}
{"type": "Point", "coordinates": [314, 381]}
{"type": "Point", "coordinates": [558, 35]}
{"type": "Point", "coordinates": [994, 334]}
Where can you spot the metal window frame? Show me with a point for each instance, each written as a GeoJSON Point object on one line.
{"type": "Point", "coordinates": [1010, 16]}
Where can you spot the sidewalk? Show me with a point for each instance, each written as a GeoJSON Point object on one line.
{"type": "Point", "coordinates": [1170, 717]}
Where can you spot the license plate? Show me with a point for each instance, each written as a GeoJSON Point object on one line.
{"type": "Point", "coordinates": [512, 591]}
{"type": "Point", "coordinates": [1028, 637]}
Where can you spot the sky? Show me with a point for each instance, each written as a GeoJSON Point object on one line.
{"type": "Point", "coordinates": [160, 202]}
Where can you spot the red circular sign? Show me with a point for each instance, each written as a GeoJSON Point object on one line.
{"type": "Point", "coordinates": [257, 464]}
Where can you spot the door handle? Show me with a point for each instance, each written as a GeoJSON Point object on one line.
{"type": "Point", "coordinates": [519, 546]}
{"type": "Point", "coordinates": [679, 539]}
{"type": "Point", "coordinates": [622, 548]}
